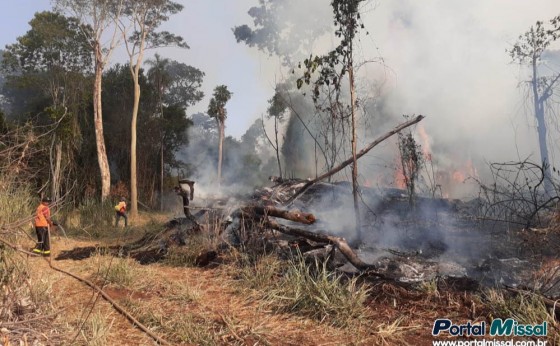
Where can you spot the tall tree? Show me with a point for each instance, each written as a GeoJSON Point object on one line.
{"type": "Point", "coordinates": [143, 19]}
{"type": "Point", "coordinates": [528, 50]}
{"type": "Point", "coordinates": [160, 78]}
{"type": "Point", "coordinates": [100, 15]}
{"type": "Point", "coordinates": [217, 110]}
{"type": "Point", "coordinates": [178, 87]}
{"type": "Point", "coordinates": [332, 67]}
{"type": "Point", "coordinates": [277, 108]}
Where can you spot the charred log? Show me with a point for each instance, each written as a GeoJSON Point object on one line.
{"type": "Point", "coordinates": [186, 195]}
{"type": "Point", "coordinates": [338, 242]}
{"type": "Point", "coordinates": [292, 215]}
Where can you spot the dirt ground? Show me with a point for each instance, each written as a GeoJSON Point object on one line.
{"type": "Point", "coordinates": [205, 306]}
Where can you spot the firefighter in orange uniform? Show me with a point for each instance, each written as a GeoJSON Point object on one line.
{"type": "Point", "coordinates": [121, 212]}
{"type": "Point", "coordinates": [42, 223]}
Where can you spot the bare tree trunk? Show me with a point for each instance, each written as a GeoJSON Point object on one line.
{"type": "Point", "coordinates": [538, 102]}
{"type": "Point", "coordinates": [133, 165]}
{"type": "Point", "coordinates": [333, 142]}
{"type": "Point", "coordinates": [354, 148]}
{"type": "Point", "coordinates": [161, 151]}
{"type": "Point", "coordinates": [98, 125]}
{"type": "Point", "coordinates": [161, 180]}
{"type": "Point", "coordinates": [220, 148]}
{"type": "Point", "coordinates": [56, 171]}
{"type": "Point", "coordinates": [277, 148]}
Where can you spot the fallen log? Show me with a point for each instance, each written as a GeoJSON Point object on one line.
{"type": "Point", "coordinates": [292, 215]}
{"type": "Point", "coordinates": [358, 155]}
{"type": "Point", "coordinates": [339, 242]}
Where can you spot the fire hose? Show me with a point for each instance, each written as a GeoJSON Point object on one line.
{"type": "Point", "coordinates": [117, 307]}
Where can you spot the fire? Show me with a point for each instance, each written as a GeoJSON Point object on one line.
{"type": "Point", "coordinates": [458, 176]}
{"type": "Point", "coordinates": [448, 174]}
{"type": "Point", "coordinates": [426, 142]}
{"type": "Point", "coordinates": [399, 177]}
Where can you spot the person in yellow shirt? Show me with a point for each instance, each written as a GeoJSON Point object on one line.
{"type": "Point", "coordinates": [42, 223]}
{"type": "Point", "coordinates": [121, 212]}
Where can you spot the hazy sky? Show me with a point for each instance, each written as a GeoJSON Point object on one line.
{"type": "Point", "coordinates": [206, 26]}
{"type": "Point", "coordinates": [445, 59]}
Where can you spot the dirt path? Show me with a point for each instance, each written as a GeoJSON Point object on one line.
{"type": "Point", "coordinates": [183, 305]}
{"type": "Point", "coordinates": [208, 306]}
{"type": "Point", "coordinates": [81, 305]}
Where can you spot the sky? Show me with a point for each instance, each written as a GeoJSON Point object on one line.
{"type": "Point", "coordinates": [445, 59]}
{"type": "Point", "coordinates": [207, 29]}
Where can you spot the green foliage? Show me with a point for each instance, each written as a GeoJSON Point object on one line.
{"type": "Point", "coordinates": [277, 105]}
{"type": "Point", "coordinates": [53, 42]}
{"type": "Point", "coordinates": [178, 83]}
{"type": "Point", "coordinates": [332, 66]}
{"type": "Point", "coordinates": [535, 41]}
{"type": "Point", "coordinates": [412, 161]}
{"type": "Point", "coordinates": [217, 106]}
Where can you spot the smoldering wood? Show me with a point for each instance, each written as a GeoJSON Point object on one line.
{"type": "Point", "coordinates": [185, 195]}
{"type": "Point", "coordinates": [358, 156]}
{"type": "Point", "coordinates": [292, 215]}
{"type": "Point", "coordinates": [339, 242]}
{"type": "Point", "coordinates": [190, 184]}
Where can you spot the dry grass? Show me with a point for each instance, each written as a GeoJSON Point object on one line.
{"type": "Point", "coordinates": [393, 333]}
{"type": "Point", "coordinates": [97, 329]}
{"type": "Point", "coordinates": [123, 272]}
{"type": "Point", "coordinates": [17, 201]}
{"type": "Point", "coordinates": [178, 327]}
{"type": "Point", "coordinates": [307, 290]}
{"type": "Point", "coordinates": [525, 308]}
{"type": "Point", "coordinates": [186, 256]}
{"type": "Point", "coordinates": [25, 298]}
{"type": "Point", "coordinates": [258, 272]}
{"type": "Point", "coordinates": [183, 293]}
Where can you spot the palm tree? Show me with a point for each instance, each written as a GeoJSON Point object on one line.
{"type": "Point", "coordinates": [217, 110]}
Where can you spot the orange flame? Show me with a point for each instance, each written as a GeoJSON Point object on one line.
{"type": "Point", "coordinates": [426, 142]}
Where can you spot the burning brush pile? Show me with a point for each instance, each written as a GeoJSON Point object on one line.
{"type": "Point", "coordinates": [409, 244]}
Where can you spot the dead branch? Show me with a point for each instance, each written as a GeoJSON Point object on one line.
{"type": "Point", "coordinates": [358, 155]}
{"type": "Point", "coordinates": [100, 291]}
{"type": "Point", "coordinates": [319, 236]}
{"type": "Point", "coordinates": [292, 215]}
{"type": "Point", "coordinates": [11, 324]}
